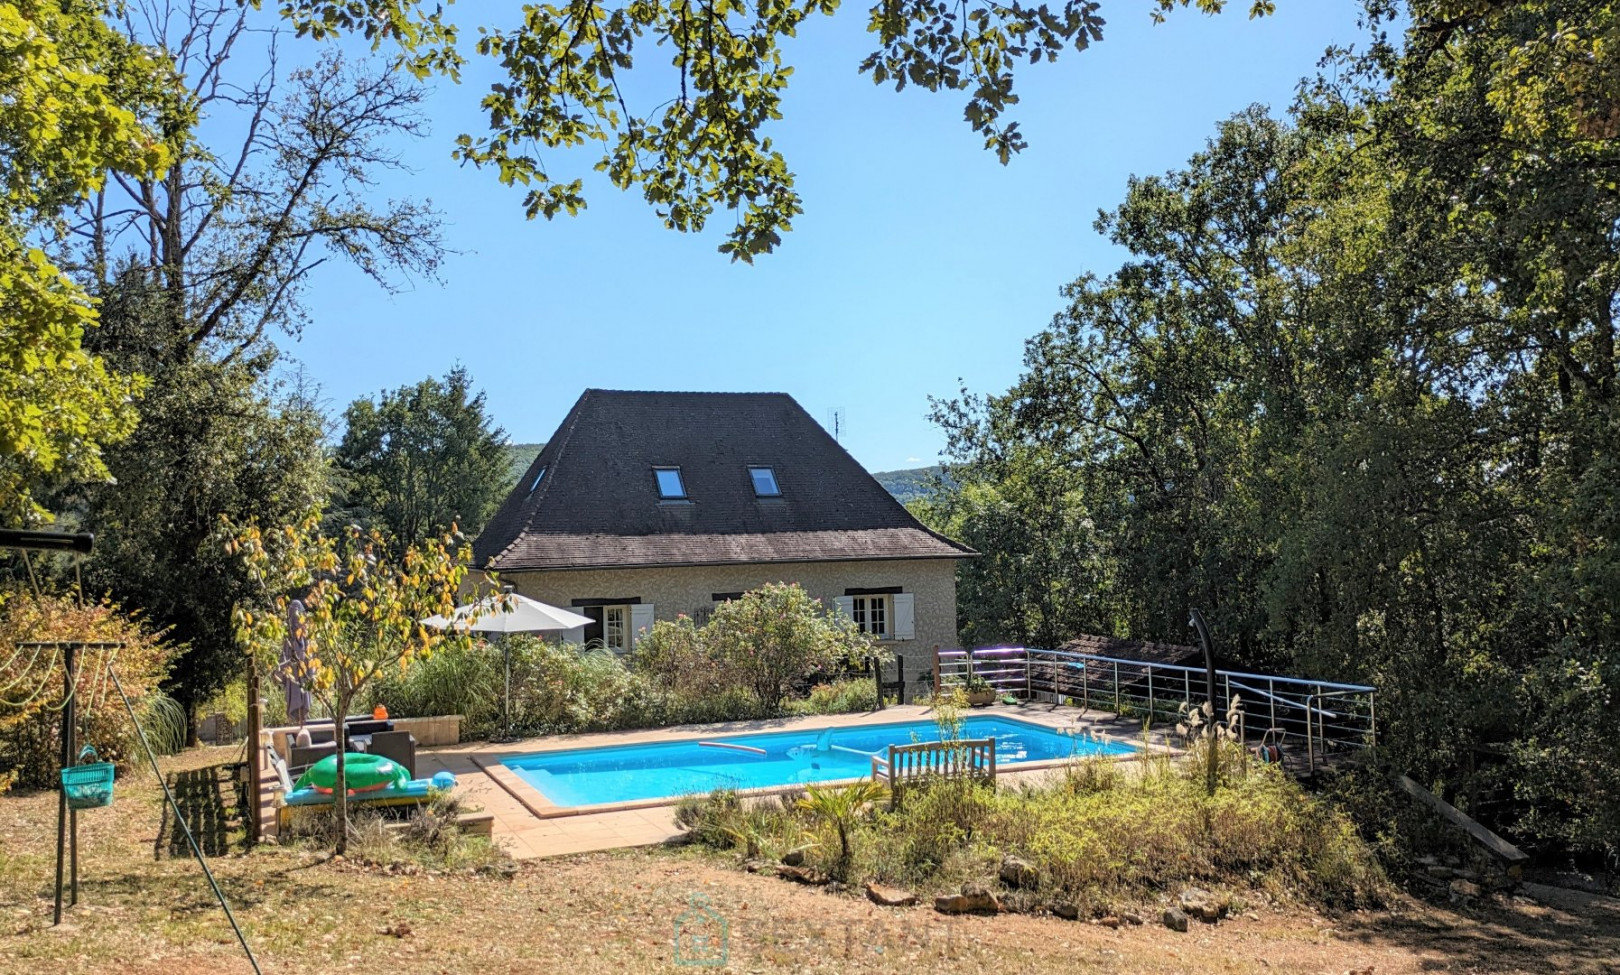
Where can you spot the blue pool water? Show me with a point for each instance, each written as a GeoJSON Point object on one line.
{"type": "Point", "coordinates": [626, 773]}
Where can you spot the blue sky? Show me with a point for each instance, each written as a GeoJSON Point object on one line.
{"type": "Point", "coordinates": [919, 260]}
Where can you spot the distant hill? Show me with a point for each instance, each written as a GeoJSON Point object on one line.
{"type": "Point", "coordinates": [909, 485]}
{"type": "Point", "coordinates": [518, 458]}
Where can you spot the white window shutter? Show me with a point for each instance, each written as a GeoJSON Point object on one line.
{"type": "Point", "coordinates": [905, 616]}
{"type": "Point", "coordinates": [846, 606]}
{"type": "Point", "coordinates": [641, 620]}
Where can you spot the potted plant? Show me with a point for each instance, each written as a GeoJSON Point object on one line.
{"type": "Point", "coordinates": [979, 692]}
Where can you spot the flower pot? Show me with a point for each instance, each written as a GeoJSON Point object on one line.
{"type": "Point", "coordinates": [979, 699]}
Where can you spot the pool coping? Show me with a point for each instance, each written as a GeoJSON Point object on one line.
{"type": "Point", "coordinates": [492, 760]}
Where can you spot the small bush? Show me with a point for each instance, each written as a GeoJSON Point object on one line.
{"type": "Point", "coordinates": [30, 715]}
{"type": "Point", "coordinates": [428, 836]}
{"type": "Point", "coordinates": [456, 679]}
{"type": "Point", "coordinates": [838, 697]}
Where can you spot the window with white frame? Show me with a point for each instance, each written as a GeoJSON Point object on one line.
{"type": "Point", "coordinates": [871, 614]}
{"type": "Point", "coordinates": [616, 628]}
{"type": "Point", "coordinates": [615, 625]}
{"type": "Point", "coordinates": [887, 614]}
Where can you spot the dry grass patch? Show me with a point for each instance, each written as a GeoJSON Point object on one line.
{"type": "Point", "coordinates": [613, 914]}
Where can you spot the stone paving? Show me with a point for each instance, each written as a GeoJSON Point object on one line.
{"type": "Point", "coordinates": [527, 825]}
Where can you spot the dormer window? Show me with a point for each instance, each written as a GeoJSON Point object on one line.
{"type": "Point", "coordinates": [670, 486]}
{"type": "Point", "coordinates": [538, 475]}
{"type": "Point", "coordinates": [764, 482]}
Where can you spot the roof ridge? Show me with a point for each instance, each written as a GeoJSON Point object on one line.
{"type": "Point", "coordinates": [688, 392]}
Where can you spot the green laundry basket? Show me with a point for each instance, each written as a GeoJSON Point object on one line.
{"type": "Point", "coordinates": [88, 785]}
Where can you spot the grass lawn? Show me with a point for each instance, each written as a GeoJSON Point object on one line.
{"type": "Point", "coordinates": [616, 912]}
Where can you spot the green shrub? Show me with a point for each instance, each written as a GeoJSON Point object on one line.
{"type": "Point", "coordinates": [768, 642]}
{"type": "Point", "coordinates": [736, 668]}
{"type": "Point", "coordinates": [1096, 837]}
{"type": "Point", "coordinates": [675, 654]}
{"type": "Point", "coordinates": [838, 697]}
{"type": "Point", "coordinates": [456, 679]}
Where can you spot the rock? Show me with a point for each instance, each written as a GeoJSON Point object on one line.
{"type": "Point", "coordinates": [1019, 873]}
{"type": "Point", "coordinates": [1130, 918]}
{"type": "Point", "coordinates": [1019, 902]}
{"type": "Point", "coordinates": [1468, 875]}
{"type": "Point", "coordinates": [752, 866]}
{"type": "Point", "coordinates": [1464, 890]}
{"type": "Point", "coordinates": [1109, 922]}
{"type": "Point", "coordinates": [793, 858]}
{"type": "Point", "coordinates": [1174, 919]}
{"type": "Point", "coordinates": [1202, 905]}
{"type": "Point", "coordinates": [803, 875]}
{"type": "Point", "coordinates": [974, 899]}
{"type": "Point", "coordinates": [889, 896]}
{"type": "Point", "coordinates": [1065, 910]}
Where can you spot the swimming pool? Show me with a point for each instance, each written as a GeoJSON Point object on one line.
{"type": "Point", "coordinates": [629, 773]}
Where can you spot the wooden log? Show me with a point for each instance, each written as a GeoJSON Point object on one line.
{"type": "Point", "coordinates": [1498, 847]}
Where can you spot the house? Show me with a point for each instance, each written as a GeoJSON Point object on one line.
{"type": "Point", "coordinates": [648, 505]}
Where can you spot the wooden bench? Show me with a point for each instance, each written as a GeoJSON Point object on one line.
{"type": "Point", "coordinates": [907, 765]}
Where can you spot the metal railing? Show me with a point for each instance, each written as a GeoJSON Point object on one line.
{"type": "Point", "coordinates": [1327, 716]}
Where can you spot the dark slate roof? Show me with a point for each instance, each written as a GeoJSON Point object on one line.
{"type": "Point", "coordinates": [598, 506]}
{"type": "Point", "coordinates": [1144, 650]}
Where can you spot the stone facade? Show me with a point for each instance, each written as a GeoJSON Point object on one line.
{"type": "Point", "coordinates": [689, 590]}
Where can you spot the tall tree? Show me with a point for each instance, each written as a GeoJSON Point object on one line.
{"type": "Point", "coordinates": [271, 174]}
{"type": "Point", "coordinates": [1352, 393]}
{"type": "Point", "coordinates": [64, 82]}
{"type": "Point", "coordinates": [423, 459]}
{"type": "Point", "coordinates": [200, 265]}
{"type": "Point", "coordinates": [218, 438]}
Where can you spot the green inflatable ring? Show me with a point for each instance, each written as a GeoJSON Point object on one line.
{"type": "Point", "coordinates": [361, 772]}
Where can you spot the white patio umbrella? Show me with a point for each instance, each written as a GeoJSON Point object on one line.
{"type": "Point", "coordinates": [509, 613]}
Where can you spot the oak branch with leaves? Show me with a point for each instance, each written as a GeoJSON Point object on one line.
{"type": "Point", "coordinates": [362, 609]}
{"type": "Point", "coordinates": [568, 68]}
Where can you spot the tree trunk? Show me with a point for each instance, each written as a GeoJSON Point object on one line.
{"type": "Point", "coordinates": [340, 785]}
{"type": "Point", "coordinates": [192, 738]}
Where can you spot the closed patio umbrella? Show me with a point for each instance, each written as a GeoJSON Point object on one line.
{"type": "Point", "coordinates": [294, 665]}
{"type": "Point", "coordinates": [509, 613]}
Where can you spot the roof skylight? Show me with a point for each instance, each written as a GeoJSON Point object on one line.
{"type": "Point", "coordinates": [538, 475]}
{"type": "Point", "coordinates": [670, 486]}
{"type": "Point", "coordinates": [764, 482]}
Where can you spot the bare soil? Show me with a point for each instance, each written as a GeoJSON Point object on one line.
{"type": "Point", "coordinates": [617, 913]}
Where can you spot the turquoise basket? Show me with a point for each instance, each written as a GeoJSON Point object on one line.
{"type": "Point", "coordinates": [88, 785]}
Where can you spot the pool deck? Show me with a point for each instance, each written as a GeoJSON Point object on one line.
{"type": "Point", "coordinates": [527, 825]}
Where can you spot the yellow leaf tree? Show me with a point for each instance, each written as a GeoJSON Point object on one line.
{"type": "Point", "coordinates": [362, 609]}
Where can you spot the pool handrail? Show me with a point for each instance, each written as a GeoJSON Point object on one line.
{"type": "Point", "coordinates": [726, 744]}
